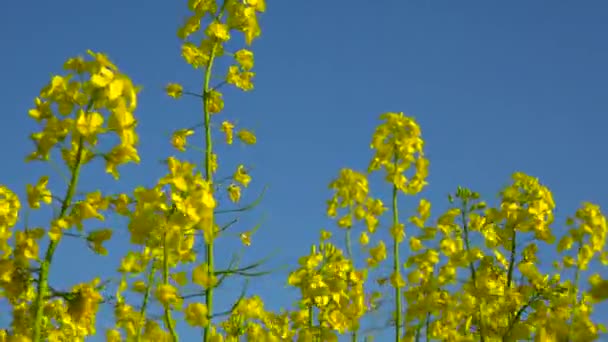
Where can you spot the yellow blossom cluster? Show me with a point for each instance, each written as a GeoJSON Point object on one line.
{"type": "Point", "coordinates": [70, 108]}
{"type": "Point", "coordinates": [330, 288]}
{"type": "Point", "coordinates": [351, 192]}
{"type": "Point", "coordinates": [398, 145]}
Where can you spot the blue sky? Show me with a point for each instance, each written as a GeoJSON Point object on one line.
{"type": "Point", "coordinates": [497, 87]}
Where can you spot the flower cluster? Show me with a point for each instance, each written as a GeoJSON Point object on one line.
{"type": "Point", "coordinates": [330, 287]}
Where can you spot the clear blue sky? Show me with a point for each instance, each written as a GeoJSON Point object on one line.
{"type": "Point", "coordinates": [497, 86]}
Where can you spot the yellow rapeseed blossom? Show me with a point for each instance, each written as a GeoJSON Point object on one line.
{"type": "Point", "coordinates": [234, 192]}
{"type": "Point", "coordinates": [190, 26]}
{"type": "Point", "coordinates": [246, 238]}
{"type": "Point", "coordinates": [364, 239]}
{"type": "Point", "coordinates": [398, 144]}
{"type": "Point", "coordinates": [241, 176]}
{"type": "Point", "coordinates": [179, 139]}
{"type": "Point", "coordinates": [196, 314]}
{"type": "Point", "coordinates": [201, 276]}
{"type": "Point", "coordinates": [227, 128]}
{"type": "Point", "coordinates": [244, 58]}
{"type": "Point", "coordinates": [247, 137]}
{"type": "Point", "coordinates": [240, 79]}
{"type": "Point", "coordinates": [215, 103]}
{"type": "Point", "coordinates": [167, 294]}
{"type": "Point", "coordinates": [174, 90]}
{"type": "Point", "coordinates": [39, 193]}
{"type": "Point", "coordinates": [218, 31]}
{"type": "Point", "coordinates": [97, 238]}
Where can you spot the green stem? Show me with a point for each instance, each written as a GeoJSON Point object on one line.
{"type": "Point", "coordinates": [575, 302]}
{"type": "Point", "coordinates": [144, 305]}
{"type": "Point", "coordinates": [311, 321]}
{"type": "Point", "coordinates": [43, 276]}
{"type": "Point", "coordinates": [427, 324]}
{"type": "Point", "coordinates": [467, 243]}
{"type": "Point", "coordinates": [349, 251]}
{"type": "Point", "coordinates": [512, 258]}
{"type": "Point", "coordinates": [511, 267]}
{"type": "Point", "coordinates": [311, 318]}
{"type": "Point", "coordinates": [349, 248]}
{"type": "Point", "coordinates": [167, 307]}
{"type": "Point", "coordinates": [209, 177]}
{"type": "Point", "coordinates": [396, 268]}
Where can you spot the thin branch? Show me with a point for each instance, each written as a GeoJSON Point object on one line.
{"type": "Point", "coordinates": [245, 208]}
{"type": "Point", "coordinates": [236, 304]}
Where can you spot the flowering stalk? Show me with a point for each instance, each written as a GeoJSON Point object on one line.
{"type": "Point", "coordinates": [209, 177]}
{"type": "Point", "coordinates": [167, 308]}
{"type": "Point", "coordinates": [396, 267]}
{"type": "Point", "coordinates": [144, 305]}
{"type": "Point", "coordinates": [43, 276]}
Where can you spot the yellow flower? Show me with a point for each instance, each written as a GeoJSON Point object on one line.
{"type": "Point", "coordinates": [234, 192]}
{"type": "Point", "coordinates": [102, 78]}
{"type": "Point", "coordinates": [83, 306]}
{"type": "Point", "coordinates": [247, 137]}
{"type": "Point", "coordinates": [97, 238]}
{"type": "Point", "coordinates": [215, 103]}
{"type": "Point", "coordinates": [227, 128]}
{"type": "Point", "coordinates": [416, 244]}
{"type": "Point", "coordinates": [398, 232]}
{"type": "Point", "coordinates": [364, 239]}
{"type": "Point", "coordinates": [179, 278]}
{"type": "Point", "coordinates": [396, 280]}
{"type": "Point", "coordinates": [76, 64]}
{"type": "Point", "coordinates": [190, 26]}
{"type": "Point", "coordinates": [57, 228]}
{"type": "Point", "coordinates": [194, 55]}
{"type": "Point", "coordinates": [259, 5]}
{"type": "Point", "coordinates": [113, 335]}
{"type": "Point", "coordinates": [377, 254]}
{"type": "Point", "coordinates": [88, 124]}
{"type": "Point", "coordinates": [240, 79]}
{"type": "Point", "coordinates": [424, 209]}
{"type": "Point", "coordinates": [26, 246]}
{"type": "Point", "coordinates": [196, 314]}
{"type": "Point", "coordinates": [245, 59]}
{"type": "Point", "coordinates": [174, 90]}
{"type": "Point", "coordinates": [42, 111]}
{"type": "Point", "coordinates": [213, 163]}
{"type": "Point", "coordinates": [139, 286]}
{"type": "Point", "coordinates": [241, 176]}
{"type": "Point", "coordinates": [218, 31]}
{"type": "Point", "coordinates": [166, 294]}
{"type": "Point", "coordinates": [202, 277]}
{"type": "Point", "coordinates": [246, 238]}
{"type": "Point", "coordinates": [178, 140]}
{"type": "Point", "coordinates": [39, 193]}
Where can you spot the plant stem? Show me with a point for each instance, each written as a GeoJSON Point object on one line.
{"type": "Point", "coordinates": [144, 305]}
{"type": "Point", "coordinates": [209, 177]}
{"type": "Point", "coordinates": [168, 318]}
{"type": "Point", "coordinates": [396, 268]}
{"type": "Point", "coordinates": [349, 251]}
{"type": "Point", "coordinates": [349, 248]}
{"type": "Point", "coordinates": [43, 276]}
{"type": "Point", "coordinates": [467, 243]}
{"type": "Point", "coordinates": [311, 321]}
{"type": "Point", "coordinates": [512, 258]}
{"type": "Point", "coordinates": [575, 302]}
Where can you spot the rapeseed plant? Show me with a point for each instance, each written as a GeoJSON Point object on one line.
{"type": "Point", "coordinates": [505, 294]}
